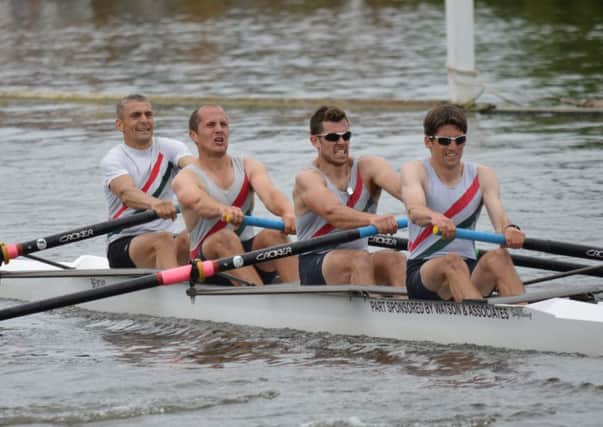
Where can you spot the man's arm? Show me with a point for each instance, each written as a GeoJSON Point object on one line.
{"type": "Point", "coordinates": [274, 200]}
{"type": "Point", "coordinates": [413, 178]}
{"type": "Point", "coordinates": [311, 193]}
{"type": "Point", "coordinates": [124, 188]}
{"type": "Point", "coordinates": [490, 189]}
{"type": "Point", "coordinates": [196, 203]}
{"type": "Point", "coordinates": [382, 174]}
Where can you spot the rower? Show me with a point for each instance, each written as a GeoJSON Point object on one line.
{"type": "Point", "coordinates": [444, 191]}
{"type": "Point", "coordinates": [136, 176]}
{"type": "Point", "coordinates": [217, 190]}
{"type": "Point", "coordinates": [339, 192]}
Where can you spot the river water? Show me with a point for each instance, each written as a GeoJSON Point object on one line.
{"type": "Point", "coordinates": [73, 367]}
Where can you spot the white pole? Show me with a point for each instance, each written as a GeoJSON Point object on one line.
{"type": "Point", "coordinates": [463, 86]}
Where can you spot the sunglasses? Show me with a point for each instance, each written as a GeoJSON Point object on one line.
{"type": "Point", "coordinates": [446, 140]}
{"type": "Point", "coordinates": [334, 137]}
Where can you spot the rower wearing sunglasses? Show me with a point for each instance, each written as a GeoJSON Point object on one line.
{"type": "Point", "coordinates": [444, 191]}
{"type": "Point", "coordinates": [339, 192]}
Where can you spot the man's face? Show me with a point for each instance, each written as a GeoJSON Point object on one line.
{"type": "Point", "coordinates": [213, 130]}
{"type": "Point", "coordinates": [443, 150]}
{"type": "Point", "coordinates": [136, 122]}
{"type": "Point", "coordinates": [334, 151]}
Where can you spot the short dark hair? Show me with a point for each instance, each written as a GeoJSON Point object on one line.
{"type": "Point", "coordinates": [132, 97]}
{"type": "Point", "coordinates": [325, 114]}
{"type": "Point", "coordinates": [193, 120]}
{"type": "Point", "coordinates": [445, 114]}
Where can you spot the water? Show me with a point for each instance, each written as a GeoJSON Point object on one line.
{"type": "Point", "coordinates": [73, 367]}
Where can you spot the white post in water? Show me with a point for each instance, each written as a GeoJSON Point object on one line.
{"type": "Point", "coordinates": [463, 86]}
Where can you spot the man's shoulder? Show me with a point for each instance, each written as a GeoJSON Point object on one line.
{"type": "Point", "coordinates": [482, 171]}
{"type": "Point", "coordinates": [414, 165]}
{"type": "Point", "coordinates": [113, 155]}
{"type": "Point", "coordinates": [309, 173]}
{"type": "Point", "coordinates": [413, 171]}
{"type": "Point", "coordinates": [169, 142]}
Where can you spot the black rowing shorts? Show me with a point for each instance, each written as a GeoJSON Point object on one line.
{"type": "Point", "coordinates": [118, 253]}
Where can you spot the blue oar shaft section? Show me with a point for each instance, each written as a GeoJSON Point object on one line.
{"type": "Point", "coordinates": [254, 221]}
{"type": "Point", "coordinates": [371, 230]}
{"type": "Point", "coordinates": [277, 224]}
{"type": "Point", "coordinates": [480, 236]}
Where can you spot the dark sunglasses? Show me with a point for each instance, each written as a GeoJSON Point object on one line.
{"type": "Point", "coordinates": [446, 140]}
{"type": "Point", "coordinates": [334, 137]}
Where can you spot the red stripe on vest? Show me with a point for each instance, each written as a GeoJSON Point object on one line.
{"type": "Point", "coordinates": [147, 185]}
{"type": "Point", "coordinates": [327, 228]}
{"type": "Point", "coordinates": [456, 207]}
{"type": "Point", "coordinates": [238, 202]}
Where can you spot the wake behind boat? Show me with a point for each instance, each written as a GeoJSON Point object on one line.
{"type": "Point", "coordinates": [552, 324]}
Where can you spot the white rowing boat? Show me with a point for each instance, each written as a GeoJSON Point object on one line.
{"type": "Point", "coordinates": [554, 324]}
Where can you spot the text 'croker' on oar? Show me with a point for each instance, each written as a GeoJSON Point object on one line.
{"type": "Point", "coordinates": [10, 251]}
{"type": "Point", "coordinates": [548, 246]}
{"type": "Point", "coordinates": [196, 270]}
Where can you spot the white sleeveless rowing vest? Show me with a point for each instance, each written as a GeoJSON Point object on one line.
{"type": "Point", "coordinates": [238, 194]}
{"type": "Point", "coordinates": [462, 203]}
{"type": "Point", "coordinates": [357, 196]}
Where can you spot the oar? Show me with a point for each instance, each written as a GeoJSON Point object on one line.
{"type": "Point", "coordinates": [547, 293]}
{"type": "Point", "coordinates": [49, 262]}
{"type": "Point", "coordinates": [584, 270]}
{"type": "Point", "coordinates": [549, 246]}
{"type": "Point", "coordinates": [196, 270]}
{"type": "Point", "coordinates": [14, 250]}
{"type": "Point", "coordinates": [254, 221]}
{"type": "Point", "coordinates": [401, 244]}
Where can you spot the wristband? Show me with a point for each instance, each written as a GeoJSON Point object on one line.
{"type": "Point", "coordinates": [512, 226]}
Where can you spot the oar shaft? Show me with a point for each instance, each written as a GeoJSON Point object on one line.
{"type": "Point", "coordinates": [563, 248]}
{"type": "Point", "coordinates": [254, 221]}
{"type": "Point", "coordinates": [80, 297]}
{"type": "Point", "coordinates": [549, 246]}
{"type": "Point", "coordinates": [80, 233]}
{"type": "Point", "coordinates": [209, 268]}
{"type": "Point", "coordinates": [542, 294]}
{"type": "Point", "coordinates": [550, 264]}
{"type": "Point", "coordinates": [401, 244]}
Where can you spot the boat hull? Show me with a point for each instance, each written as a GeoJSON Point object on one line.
{"type": "Point", "coordinates": [556, 325]}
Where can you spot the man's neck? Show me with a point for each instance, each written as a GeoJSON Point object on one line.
{"type": "Point", "coordinates": [448, 175]}
{"type": "Point", "coordinates": [337, 173]}
{"type": "Point", "coordinates": [139, 145]}
{"type": "Point", "coordinates": [214, 164]}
